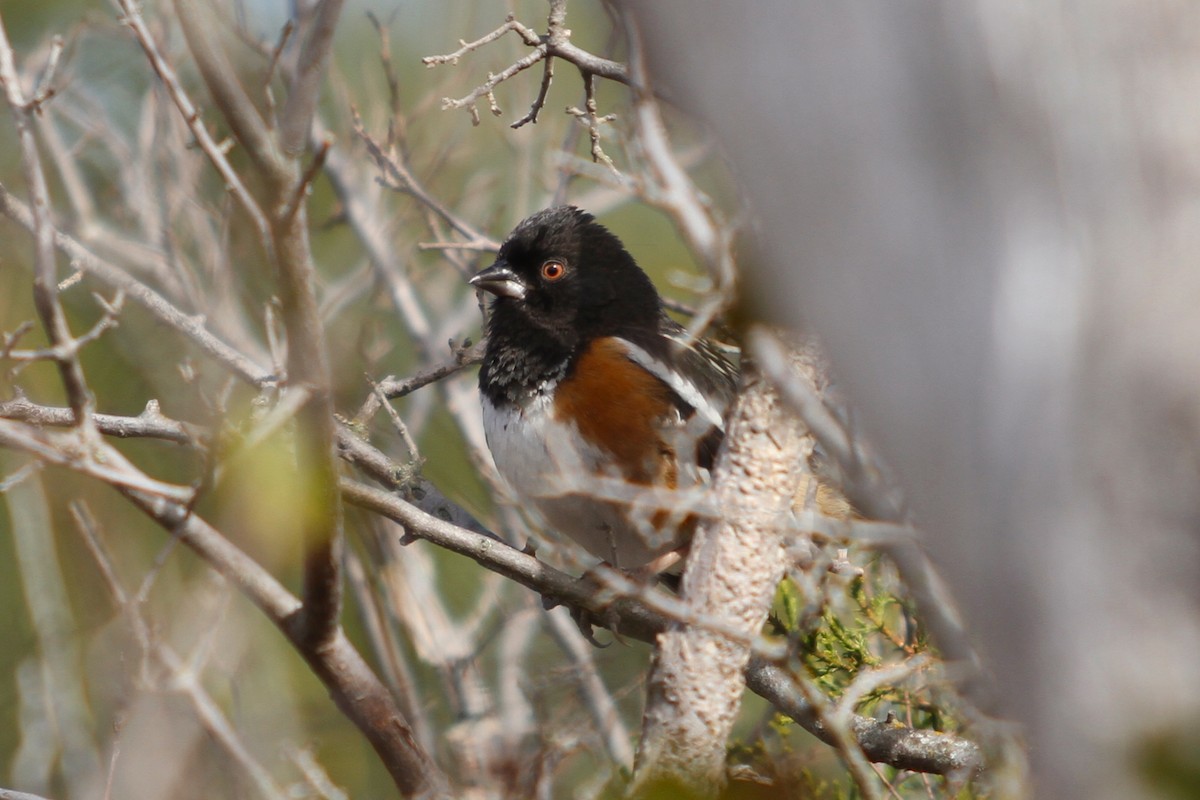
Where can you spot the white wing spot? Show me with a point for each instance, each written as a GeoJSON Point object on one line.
{"type": "Point", "coordinates": [686, 390]}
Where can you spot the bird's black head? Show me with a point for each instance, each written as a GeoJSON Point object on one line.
{"type": "Point", "coordinates": [564, 275]}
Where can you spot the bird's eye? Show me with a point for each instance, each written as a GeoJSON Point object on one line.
{"type": "Point", "coordinates": [553, 270]}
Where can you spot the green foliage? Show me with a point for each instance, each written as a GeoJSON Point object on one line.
{"type": "Point", "coordinates": [1168, 762]}
{"type": "Point", "coordinates": [839, 627]}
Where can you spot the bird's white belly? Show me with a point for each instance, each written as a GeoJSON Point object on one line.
{"type": "Point", "coordinates": [551, 467]}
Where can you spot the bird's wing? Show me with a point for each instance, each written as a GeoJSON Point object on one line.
{"type": "Point", "coordinates": [699, 375]}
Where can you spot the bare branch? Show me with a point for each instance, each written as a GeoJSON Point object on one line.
{"type": "Point", "coordinates": [162, 309]}
{"type": "Point", "coordinates": [191, 115]}
{"type": "Point", "coordinates": [593, 122]}
{"type": "Point", "coordinates": [305, 184]}
{"type": "Point", "coordinates": [355, 688]}
{"type": "Point", "coordinates": [556, 43]}
{"type": "Point", "coordinates": [400, 427]}
{"type": "Point", "coordinates": [510, 24]}
{"type": "Point", "coordinates": [149, 424]}
{"type": "Point", "coordinates": [392, 389]}
{"type": "Point", "coordinates": [882, 742]}
{"type": "Point", "coordinates": [71, 349]}
{"type": "Point", "coordinates": [184, 679]}
{"type": "Point", "coordinates": [45, 280]}
{"type": "Point", "coordinates": [307, 358]}
{"type": "Point", "coordinates": [45, 88]}
{"type": "Point", "coordinates": [227, 91]}
{"type": "Point", "coordinates": [733, 569]}
{"type": "Point", "coordinates": [905, 748]}
{"type": "Point", "coordinates": [369, 224]}
{"type": "Point", "coordinates": [402, 179]}
{"type": "Point", "coordinates": [10, 794]}
{"type": "Point", "coordinates": [599, 701]}
{"type": "Point", "coordinates": [539, 102]}
{"type": "Point", "coordinates": [708, 234]}
{"type": "Point", "coordinates": [901, 747]}
{"type": "Point", "coordinates": [94, 458]}
{"type": "Point", "coordinates": [305, 84]}
{"type": "Point", "coordinates": [285, 36]}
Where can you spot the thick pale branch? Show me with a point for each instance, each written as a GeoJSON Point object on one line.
{"type": "Point", "coordinates": [307, 357]}
{"type": "Point", "coordinates": [305, 84]}
{"type": "Point", "coordinates": [905, 748]}
{"type": "Point", "coordinates": [227, 91]}
{"type": "Point", "coordinates": [902, 747]}
{"type": "Point", "coordinates": [696, 686]}
{"type": "Point", "coordinates": [539, 102]}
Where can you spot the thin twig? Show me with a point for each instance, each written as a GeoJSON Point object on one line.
{"type": "Point", "coordinates": [370, 224]}
{"type": "Point", "coordinates": [905, 748]}
{"type": "Point", "coordinates": [399, 425]}
{"type": "Point", "coordinates": [107, 321]}
{"type": "Point", "coordinates": [45, 87]}
{"type": "Point", "coordinates": [539, 102]}
{"type": "Point", "coordinates": [842, 738]}
{"type": "Point", "coordinates": [555, 43]}
{"type": "Point", "coordinates": [401, 178]}
{"type": "Point", "coordinates": [45, 281]}
{"type": "Point", "coordinates": [305, 184]}
{"type": "Point", "coordinates": [285, 35]}
{"type": "Point", "coordinates": [593, 122]}
{"type": "Point", "coordinates": [95, 459]}
{"type": "Point", "coordinates": [191, 326]}
{"type": "Point", "coordinates": [392, 389]}
{"type": "Point", "coordinates": [132, 17]}
{"type": "Point", "coordinates": [149, 424]}
{"type": "Point", "coordinates": [708, 234]}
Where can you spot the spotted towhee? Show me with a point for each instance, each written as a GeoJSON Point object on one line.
{"type": "Point", "coordinates": [587, 384]}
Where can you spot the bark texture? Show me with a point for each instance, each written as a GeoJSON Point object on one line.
{"type": "Point", "coordinates": [736, 562]}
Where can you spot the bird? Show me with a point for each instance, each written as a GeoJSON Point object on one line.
{"type": "Point", "coordinates": [587, 384]}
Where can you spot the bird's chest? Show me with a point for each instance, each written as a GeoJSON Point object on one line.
{"type": "Point", "coordinates": [561, 442]}
{"type": "Point", "coordinates": [554, 468]}
{"type": "Point", "coordinates": [531, 444]}
{"type": "Point", "coordinates": [605, 415]}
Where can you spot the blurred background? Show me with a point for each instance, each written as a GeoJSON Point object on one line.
{"type": "Point", "coordinates": [985, 211]}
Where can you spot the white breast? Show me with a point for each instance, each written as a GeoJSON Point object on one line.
{"type": "Point", "coordinates": [518, 441]}
{"type": "Point", "coordinates": [551, 468]}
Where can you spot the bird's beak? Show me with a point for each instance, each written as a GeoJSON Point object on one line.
{"type": "Point", "coordinates": [500, 280]}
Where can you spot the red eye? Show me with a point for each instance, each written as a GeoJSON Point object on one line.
{"type": "Point", "coordinates": [553, 270]}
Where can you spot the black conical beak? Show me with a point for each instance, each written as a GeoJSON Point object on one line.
{"type": "Point", "coordinates": [500, 280]}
